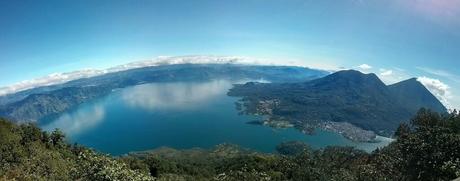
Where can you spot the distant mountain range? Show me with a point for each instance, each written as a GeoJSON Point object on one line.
{"type": "Point", "coordinates": [345, 96]}
{"type": "Point", "coordinates": [34, 104]}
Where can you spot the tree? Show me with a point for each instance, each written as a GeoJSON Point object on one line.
{"type": "Point", "coordinates": [403, 130]}
{"type": "Point", "coordinates": [57, 138]}
{"type": "Point", "coordinates": [425, 118]}
{"type": "Point", "coordinates": [432, 151]}
{"type": "Point", "coordinates": [30, 133]}
{"type": "Point", "coordinates": [292, 148]}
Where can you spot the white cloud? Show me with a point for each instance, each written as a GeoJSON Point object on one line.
{"type": "Point", "coordinates": [391, 76]}
{"type": "Point", "coordinates": [365, 67]}
{"type": "Point", "coordinates": [59, 78]}
{"type": "Point", "coordinates": [438, 89]}
{"type": "Point", "coordinates": [167, 60]}
{"type": "Point", "coordinates": [399, 69]}
{"type": "Point", "coordinates": [51, 79]}
{"type": "Point", "coordinates": [386, 72]}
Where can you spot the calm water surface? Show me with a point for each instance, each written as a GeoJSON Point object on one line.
{"type": "Point", "coordinates": [178, 115]}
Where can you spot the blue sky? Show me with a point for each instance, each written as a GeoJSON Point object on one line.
{"type": "Point", "coordinates": [398, 39]}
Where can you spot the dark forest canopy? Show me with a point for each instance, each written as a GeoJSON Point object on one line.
{"type": "Point", "coordinates": [426, 149]}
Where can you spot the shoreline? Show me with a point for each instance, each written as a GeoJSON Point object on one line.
{"type": "Point", "coordinates": [345, 129]}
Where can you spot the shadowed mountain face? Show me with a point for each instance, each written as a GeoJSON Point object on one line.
{"type": "Point", "coordinates": [34, 104]}
{"type": "Point", "coordinates": [345, 96]}
{"type": "Point", "coordinates": [38, 105]}
{"type": "Point", "coordinates": [412, 94]}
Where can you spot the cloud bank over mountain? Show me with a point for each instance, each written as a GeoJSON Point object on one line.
{"type": "Point", "coordinates": [389, 76]}
{"type": "Point", "coordinates": [52, 79]}
{"type": "Point", "coordinates": [58, 78]}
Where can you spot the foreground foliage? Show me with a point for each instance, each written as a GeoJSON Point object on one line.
{"type": "Point", "coordinates": [426, 149]}
{"type": "Point", "coordinates": [27, 153]}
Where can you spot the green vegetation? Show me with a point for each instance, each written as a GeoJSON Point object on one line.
{"type": "Point", "coordinates": [426, 149]}
{"type": "Point", "coordinates": [27, 153]}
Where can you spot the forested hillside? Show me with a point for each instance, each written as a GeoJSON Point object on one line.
{"type": "Point", "coordinates": [426, 149]}
{"type": "Point", "coordinates": [345, 96]}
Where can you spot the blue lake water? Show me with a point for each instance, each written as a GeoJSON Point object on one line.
{"type": "Point", "coordinates": [178, 115]}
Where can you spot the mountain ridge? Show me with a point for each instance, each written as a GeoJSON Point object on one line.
{"type": "Point", "coordinates": [32, 105]}
{"type": "Point", "coordinates": [401, 91]}
{"type": "Point", "coordinates": [345, 96]}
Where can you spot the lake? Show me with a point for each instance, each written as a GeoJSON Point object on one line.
{"type": "Point", "coordinates": [178, 115]}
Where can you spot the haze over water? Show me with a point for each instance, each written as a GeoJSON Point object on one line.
{"type": "Point", "coordinates": [178, 115]}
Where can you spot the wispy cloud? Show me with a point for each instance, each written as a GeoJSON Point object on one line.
{"type": "Point", "coordinates": [444, 12]}
{"type": "Point", "coordinates": [437, 72]}
{"type": "Point", "coordinates": [438, 89]}
{"type": "Point", "coordinates": [391, 76]}
{"type": "Point", "coordinates": [399, 69]}
{"type": "Point", "coordinates": [441, 73]}
{"type": "Point", "coordinates": [386, 72]}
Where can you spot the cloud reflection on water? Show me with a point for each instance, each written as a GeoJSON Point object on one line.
{"type": "Point", "coordinates": [151, 97]}
{"type": "Point", "coordinates": [178, 95]}
{"type": "Point", "coordinates": [75, 122]}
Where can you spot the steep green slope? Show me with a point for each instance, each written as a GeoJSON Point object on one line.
{"type": "Point", "coordinates": [427, 149]}
{"type": "Point", "coordinates": [27, 153]}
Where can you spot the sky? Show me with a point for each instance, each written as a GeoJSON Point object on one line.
{"type": "Point", "coordinates": [396, 39]}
